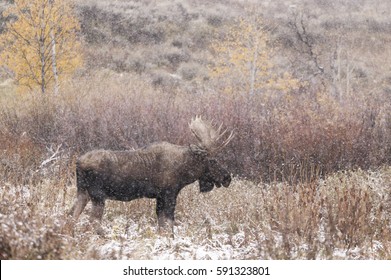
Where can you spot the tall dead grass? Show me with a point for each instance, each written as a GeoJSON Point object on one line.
{"type": "Point", "coordinates": [344, 216]}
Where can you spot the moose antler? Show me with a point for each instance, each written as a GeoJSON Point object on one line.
{"type": "Point", "coordinates": [209, 138]}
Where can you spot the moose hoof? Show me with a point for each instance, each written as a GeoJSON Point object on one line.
{"type": "Point", "coordinates": [165, 232]}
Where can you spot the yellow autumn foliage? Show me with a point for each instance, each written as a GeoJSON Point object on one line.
{"type": "Point", "coordinates": [40, 46]}
{"type": "Point", "coordinates": [243, 60]}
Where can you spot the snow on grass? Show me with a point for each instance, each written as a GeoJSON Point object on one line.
{"type": "Point", "coordinates": [344, 216]}
{"type": "Point", "coordinates": [134, 246]}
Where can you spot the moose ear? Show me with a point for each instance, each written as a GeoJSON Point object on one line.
{"type": "Point", "coordinates": [196, 150]}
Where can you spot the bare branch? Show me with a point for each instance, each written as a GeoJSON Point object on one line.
{"type": "Point", "coordinates": [54, 155]}
{"type": "Point", "coordinates": [300, 28]}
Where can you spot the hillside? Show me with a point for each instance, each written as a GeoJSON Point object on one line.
{"type": "Point", "coordinates": [170, 40]}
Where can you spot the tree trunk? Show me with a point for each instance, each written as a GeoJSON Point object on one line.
{"type": "Point", "coordinates": [42, 54]}
{"type": "Point", "coordinates": [54, 62]}
{"type": "Point", "coordinates": [42, 50]}
{"type": "Point", "coordinates": [253, 70]}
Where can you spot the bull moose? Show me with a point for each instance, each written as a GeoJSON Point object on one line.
{"type": "Point", "coordinates": [158, 171]}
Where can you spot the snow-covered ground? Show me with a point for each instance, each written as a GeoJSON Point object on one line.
{"type": "Point", "coordinates": [345, 216]}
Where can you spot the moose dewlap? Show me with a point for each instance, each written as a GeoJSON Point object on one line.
{"type": "Point", "coordinates": [157, 171]}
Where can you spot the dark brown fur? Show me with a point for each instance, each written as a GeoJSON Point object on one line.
{"type": "Point", "coordinates": [158, 171]}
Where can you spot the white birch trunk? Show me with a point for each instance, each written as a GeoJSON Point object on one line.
{"type": "Point", "coordinates": [54, 63]}
{"type": "Point", "coordinates": [43, 81]}
{"type": "Point", "coordinates": [253, 70]}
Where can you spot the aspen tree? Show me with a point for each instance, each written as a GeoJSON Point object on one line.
{"type": "Point", "coordinates": [40, 45]}
{"type": "Point", "coordinates": [243, 60]}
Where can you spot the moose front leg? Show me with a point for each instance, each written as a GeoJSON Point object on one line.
{"type": "Point", "coordinates": [165, 210]}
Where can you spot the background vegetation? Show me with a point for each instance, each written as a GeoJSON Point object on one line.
{"type": "Point", "coordinates": [310, 109]}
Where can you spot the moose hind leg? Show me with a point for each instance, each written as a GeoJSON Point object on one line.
{"type": "Point", "coordinates": [80, 203]}
{"type": "Point", "coordinates": [97, 210]}
{"type": "Point", "coordinates": [98, 207]}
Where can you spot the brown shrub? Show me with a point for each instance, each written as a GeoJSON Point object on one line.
{"type": "Point", "coordinates": [287, 136]}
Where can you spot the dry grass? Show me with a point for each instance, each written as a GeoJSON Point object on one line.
{"type": "Point", "coordinates": [344, 216]}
